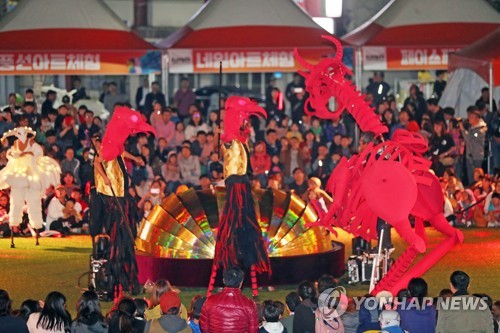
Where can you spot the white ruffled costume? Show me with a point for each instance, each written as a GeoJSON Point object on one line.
{"type": "Point", "coordinates": [28, 174]}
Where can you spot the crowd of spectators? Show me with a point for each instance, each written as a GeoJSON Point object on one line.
{"type": "Point", "coordinates": [454, 310]}
{"type": "Point", "coordinates": [290, 150]}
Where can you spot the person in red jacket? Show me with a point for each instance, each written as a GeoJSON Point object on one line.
{"type": "Point", "coordinates": [261, 162]}
{"type": "Point", "coordinates": [229, 311]}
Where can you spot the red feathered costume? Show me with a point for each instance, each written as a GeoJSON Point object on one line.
{"type": "Point", "coordinates": [239, 239]}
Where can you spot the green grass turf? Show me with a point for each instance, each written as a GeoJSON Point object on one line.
{"type": "Point", "coordinates": [31, 271]}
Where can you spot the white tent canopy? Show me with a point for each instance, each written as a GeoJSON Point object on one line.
{"type": "Point", "coordinates": [463, 90]}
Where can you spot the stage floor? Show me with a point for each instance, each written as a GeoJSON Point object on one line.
{"type": "Point", "coordinates": [32, 272]}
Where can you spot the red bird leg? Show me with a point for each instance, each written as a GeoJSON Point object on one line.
{"type": "Point", "coordinates": [454, 237]}
{"type": "Point", "coordinates": [402, 264]}
{"type": "Point", "coordinates": [253, 280]}
{"type": "Point", "coordinates": [212, 279]}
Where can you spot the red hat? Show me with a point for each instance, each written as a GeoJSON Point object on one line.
{"type": "Point", "coordinates": [169, 300]}
{"type": "Point", "coordinates": [68, 120]}
{"type": "Point", "coordinates": [413, 126]}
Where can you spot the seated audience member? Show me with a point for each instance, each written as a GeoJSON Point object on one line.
{"type": "Point", "coordinates": [170, 321]}
{"type": "Point", "coordinates": [496, 316]}
{"type": "Point", "coordinates": [123, 318]}
{"type": "Point", "coordinates": [9, 323]}
{"type": "Point", "coordinates": [272, 317]}
{"type": "Point", "coordinates": [229, 311]}
{"type": "Point", "coordinates": [195, 313]}
{"type": "Point", "coordinates": [53, 318]}
{"type": "Point", "coordinates": [292, 300]}
{"type": "Point", "coordinates": [55, 208]}
{"type": "Point", "coordinates": [350, 318]}
{"type": "Point", "coordinates": [417, 315]}
{"type": "Point", "coordinates": [89, 318]}
{"type": "Point", "coordinates": [459, 317]}
{"type": "Point", "coordinates": [304, 320]}
{"type": "Point", "coordinates": [154, 310]}
{"type": "Point", "coordinates": [28, 307]}
{"type": "Point", "coordinates": [389, 322]}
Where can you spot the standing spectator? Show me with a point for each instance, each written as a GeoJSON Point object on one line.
{"type": "Point", "coordinates": [155, 96]}
{"type": "Point", "coordinates": [292, 157]}
{"type": "Point", "coordinates": [140, 95]}
{"type": "Point", "coordinates": [105, 91]}
{"type": "Point", "coordinates": [34, 119]}
{"type": "Point", "coordinates": [442, 148]}
{"type": "Point", "coordinates": [9, 323]}
{"type": "Point", "coordinates": [417, 100]}
{"type": "Point", "coordinates": [113, 97]}
{"type": "Point", "coordinates": [304, 320]}
{"type": "Point", "coordinates": [53, 318]}
{"type": "Point", "coordinates": [48, 104]}
{"type": "Point", "coordinates": [89, 318]}
{"type": "Point", "coordinates": [439, 84]}
{"type": "Point", "coordinates": [87, 129]}
{"type": "Point", "coordinates": [165, 128]}
{"type": "Point", "coordinates": [275, 106]}
{"type": "Point", "coordinates": [229, 311]}
{"type": "Point", "coordinates": [292, 300]}
{"type": "Point", "coordinates": [80, 91]}
{"type": "Point", "coordinates": [13, 107]}
{"type": "Point", "coordinates": [460, 317]}
{"type": "Point", "coordinates": [184, 98]}
{"type": "Point", "coordinates": [485, 98]}
{"type": "Point", "coordinates": [293, 88]}
{"type": "Point", "coordinates": [378, 88]}
{"type": "Point", "coordinates": [71, 164]}
{"type": "Point", "coordinates": [474, 136]}
{"type": "Point", "coordinates": [189, 165]}
{"type": "Point", "coordinates": [422, 316]}
{"type": "Point", "coordinates": [195, 125]}
{"type": "Point", "coordinates": [269, 89]}
{"type": "Point", "coordinates": [437, 114]}
{"type": "Point", "coordinates": [169, 322]}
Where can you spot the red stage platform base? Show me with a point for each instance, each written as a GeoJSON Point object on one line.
{"type": "Point", "coordinates": [286, 270]}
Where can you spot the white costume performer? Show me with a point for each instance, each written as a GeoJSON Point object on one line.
{"type": "Point", "coordinates": [28, 174]}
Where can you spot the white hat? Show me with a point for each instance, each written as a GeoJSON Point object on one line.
{"type": "Point", "coordinates": [389, 318]}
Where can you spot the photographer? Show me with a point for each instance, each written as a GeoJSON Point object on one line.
{"type": "Point", "coordinates": [474, 135]}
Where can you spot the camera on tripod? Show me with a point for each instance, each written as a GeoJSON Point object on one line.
{"type": "Point", "coordinates": [100, 279]}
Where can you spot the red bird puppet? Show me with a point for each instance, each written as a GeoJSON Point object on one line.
{"type": "Point", "coordinates": [123, 123]}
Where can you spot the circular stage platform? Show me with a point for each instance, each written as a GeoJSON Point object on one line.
{"type": "Point", "coordinates": [285, 270]}
{"type": "Point", "coordinates": [177, 240]}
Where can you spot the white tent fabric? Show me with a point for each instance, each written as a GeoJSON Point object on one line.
{"type": "Point", "coordinates": [217, 13]}
{"type": "Point", "coordinates": [462, 90]}
{"type": "Point", "coordinates": [53, 14]}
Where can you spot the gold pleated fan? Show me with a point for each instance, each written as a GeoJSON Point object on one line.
{"type": "Point", "coordinates": [185, 226]}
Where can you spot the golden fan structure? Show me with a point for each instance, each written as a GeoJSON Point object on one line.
{"type": "Point", "coordinates": [177, 240]}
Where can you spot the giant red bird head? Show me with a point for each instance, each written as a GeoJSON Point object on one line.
{"type": "Point", "coordinates": [237, 116]}
{"type": "Point", "coordinates": [123, 123]}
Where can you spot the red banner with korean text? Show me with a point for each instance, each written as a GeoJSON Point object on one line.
{"type": "Point", "coordinates": [78, 63]}
{"type": "Point", "coordinates": [241, 60]}
{"type": "Point", "coordinates": [411, 58]}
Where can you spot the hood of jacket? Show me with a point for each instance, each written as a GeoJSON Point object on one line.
{"type": "Point", "coordinates": [172, 323]}
{"type": "Point", "coordinates": [273, 327]}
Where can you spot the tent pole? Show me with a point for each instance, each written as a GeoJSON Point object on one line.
{"type": "Point", "coordinates": [491, 110]}
{"type": "Point", "coordinates": [166, 88]}
{"type": "Point", "coordinates": [358, 73]}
